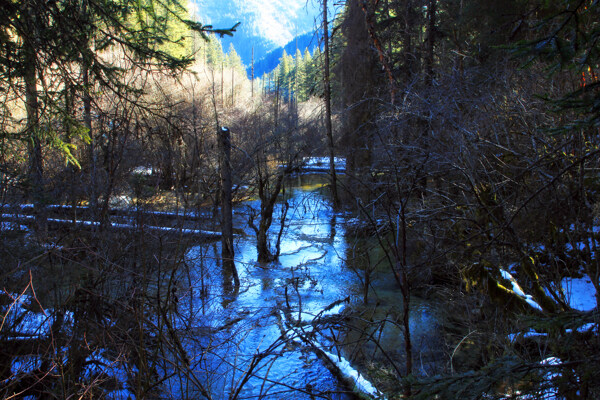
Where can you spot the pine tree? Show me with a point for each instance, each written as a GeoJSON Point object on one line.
{"type": "Point", "coordinates": [284, 74]}
{"type": "Point", "coordinates": [233, 60]}
{"type": "Point", "coordinates": [313, 74]}
{"type": "Point", "coordinates": [214, 52]}
{"type": "Point", "coordinates": [300, 87]}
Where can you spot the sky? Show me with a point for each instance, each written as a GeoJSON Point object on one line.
{"type": "Point", "coordinates": [278, 21]}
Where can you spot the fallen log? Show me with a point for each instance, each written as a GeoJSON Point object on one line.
{"type": "Point", "coordinates": [59, 223]}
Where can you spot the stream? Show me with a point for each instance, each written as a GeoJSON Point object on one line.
{"type": "Point", "coordinates": [246, 345]}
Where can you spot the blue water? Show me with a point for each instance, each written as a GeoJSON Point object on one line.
{"type": "Point", "coordinates": [243, 343]}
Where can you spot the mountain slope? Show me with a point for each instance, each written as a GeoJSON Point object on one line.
{"type": "Point", "coordinates": [266, 25]}
{"type": "Point", "coordinates": [271, 60]}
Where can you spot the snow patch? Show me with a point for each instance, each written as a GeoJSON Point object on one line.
{"type": "Point", "coordinates": [529, 334]}
{"type": "Point", "coordinates": [141, 170]}
{"type": "Point", "coordinates": [551, 392]}
{"type": "Point", "coordinates": [518, 291]}
{"type": "Point", "coordinates": [580, 293]}
{"type": "Point", "coordinates": [361, 384]}
{"type": "Point", "coordinates": [12, 226]}
{"type": "Point", "coordinates": [308, 317]}
{"type": "Point", "coordinates": [321, 164]}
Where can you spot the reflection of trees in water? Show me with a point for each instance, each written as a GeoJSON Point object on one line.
{"type": "Point", "coordinates": [150, 317]}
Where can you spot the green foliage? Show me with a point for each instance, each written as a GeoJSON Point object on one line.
{"type": "Point", "coordinates": [233, 59]}
{"type": "Point", "coordinates": [298, 76]}
{"type": "Point", "coordinates": [54, 41]}
{"type": "Point", "coordinates": [214, 52]}
{"type": "Point", "coordinates": [284, 74]}
{"type": "Point", "coordinates": [501, 379]}
{"type": "Point", "coordinates": [303, 62]}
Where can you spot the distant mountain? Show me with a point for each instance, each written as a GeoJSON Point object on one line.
{"type": "Point", "coordinates": [271, 60]}
{"type": "Point", "coordinates": [266, 25]}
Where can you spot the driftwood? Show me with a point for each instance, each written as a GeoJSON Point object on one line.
{"type": "Point", "coordinates": [305, 334]}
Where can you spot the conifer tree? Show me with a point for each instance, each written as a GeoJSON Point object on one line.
{"type": "Point", "coordinates": [214, 52]}
{"type": "Point", "coordinates": [314, 68]}
{"type": "Point", "coordinates": [304, 69]}
{"type": "Point", "coordinates": [284, 74]}
{"type": "Point", "coordinates": [233, 59]}
{"type": "Point", "coordinates": [67, 41]}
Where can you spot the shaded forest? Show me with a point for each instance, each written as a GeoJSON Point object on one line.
{"type": "Point", "coordinates": [460, 140]}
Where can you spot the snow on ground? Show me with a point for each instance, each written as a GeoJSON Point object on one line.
{"type": "Point", "coordinates": [529, 334]}
{"type": "Point", "coordinates": [18, 216]}
{"type": "Point", "coordinates": [120, 201]}
{"type": "Point", "coordinates": [143, 170]}
{"type": "Point", "coordinates": [18, 321]}
{"type": "Point", "coordinates": [550, 392]}
{"type": "Point", "coordinates": [184, 231]}
{"type": "Point", "coordinates": [12, 226]}
{"type": "Point", "coordinates": [580, 293]}
{"type": "Point", "coordinates": [322, 164]}
{"type": "Point", "coordinates": [21, 206]}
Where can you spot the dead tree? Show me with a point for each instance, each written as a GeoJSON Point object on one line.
{"type": "Point", "coordinates": [227, 251]}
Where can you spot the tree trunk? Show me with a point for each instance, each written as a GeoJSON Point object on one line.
{"type": "Point", "coordinates": [431, 14]}
{"type": "Point", "coordinates": [267, 206]}
{"type": "Point", "coordinates": [408, 51]}
{"type": "Point", "coordinates": [359, 69]}
{"type": "Point", "coordinates": [87, 119]}
{"type": "Point", "coordinates": [227, 250]}
{"type": "Point", "coordinates": [328, 125]}
{"type": "Point", "coordinates": [36, 167]}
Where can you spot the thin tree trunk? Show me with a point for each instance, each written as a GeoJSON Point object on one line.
{"type": "Point", "coordinates": [222, 85]}
{"type": "Point", "coordinates": [405, 289]}
{"type": "Point", "coordinates": [87, 119]}
{"type": "Point", "coordinates": [36, 167]}
{"type": "Point", "coordinates": [268, 199]}
{"type": "Point", "coordinates": [408, 52]}
{"type": "Point", "coordinates": [276, 122]}
{"type": "Point", "coordinates": [431, 13]}
{"type": "Point", "coordinates": [69, 96]}
{"type": "Point", "coordinates": [328, 124]}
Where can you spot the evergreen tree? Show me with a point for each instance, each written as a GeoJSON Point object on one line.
{"type": "Point", "coordinates": [233, 60]}
{"type": "Point", "coordinates": [284, 75]}
{"type": "Point", "coordinates": [313, 75]}
{"type": "Point", "coordinates": [304, 69]}
{"type": "Point", "coordinates": [67, 41]}
{"type": "Point", "coordinates": [214, 52]}
{"type": "Point", "coordinates": [166, 19]}
{"type": "Point", "coordinates": [297, 70]}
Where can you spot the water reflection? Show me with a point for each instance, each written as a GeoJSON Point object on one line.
{"type": "Point", "coordinates": [248, 347]}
